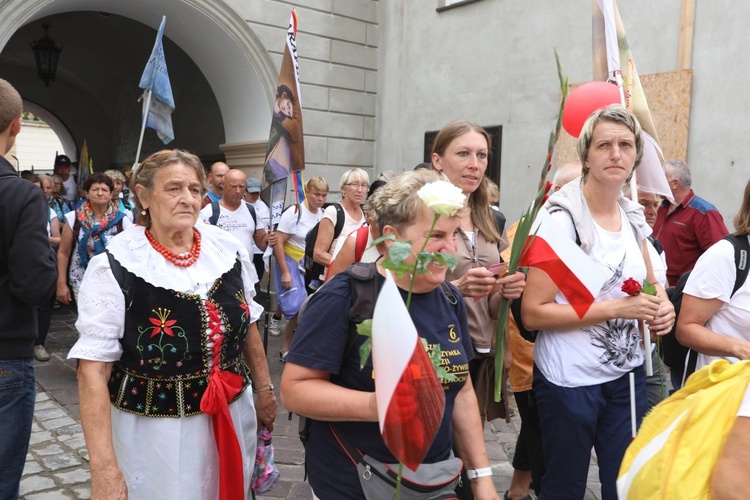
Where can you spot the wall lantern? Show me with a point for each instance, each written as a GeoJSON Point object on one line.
{"type": "Point", "coordinates": [46, 54]}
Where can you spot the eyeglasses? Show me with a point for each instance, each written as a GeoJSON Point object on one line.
{"type": "Point", "coordinates": [357, 185]}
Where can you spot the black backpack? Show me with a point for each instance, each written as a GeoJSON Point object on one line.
{"type": "Point", "coordinates": [675, 353]}
{"type": "Point", "coordinates": [312, 268]}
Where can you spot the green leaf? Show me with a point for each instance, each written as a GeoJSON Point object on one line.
{"type": "Point", "coordinates": [364, 353]}
{"type": "Point", "coordinates": [385, 237]}
{"type": "Point", "coordinates": [435, 356]}
{"type": "Point", "coordinates": [446, 259]}
{"type": "Point", "coordinates": [365, 329]}
{"type": "Point", "coordinates": [648, 288]}
{"type": "Point", "coordinates": [399, 252]}
{"type": "Point", "coordinates": [423, 260]}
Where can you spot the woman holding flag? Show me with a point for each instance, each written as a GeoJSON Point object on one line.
{"type": "Point", "coordinates": [582, 363]}
{"type": "Point", "coordinates": [323, 381]}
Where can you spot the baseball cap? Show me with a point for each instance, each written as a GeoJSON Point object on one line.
{"type": "Point", "coordinates": [253, 185]}
{"type": "Point", "coordinates": [62, 160]}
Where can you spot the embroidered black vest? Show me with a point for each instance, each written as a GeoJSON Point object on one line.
{"type": "Point", "coordinates": [165, 363]}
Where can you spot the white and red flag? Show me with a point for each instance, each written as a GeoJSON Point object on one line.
{"type": "Point", "coordinates": [578, 277]}
{"type": "Point", "coordinates": [411, 400]}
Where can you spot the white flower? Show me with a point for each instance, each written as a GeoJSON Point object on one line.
{"type": "Point", "coordinates": [443, 197]}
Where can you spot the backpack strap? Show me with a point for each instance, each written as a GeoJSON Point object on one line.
{"type": "Point", "coordinates": [215, 211]}
{"type": "Point", "coordinates": [251, 209]}
{"type": "Point", "coordinates": [361, 244]}
{"type": "Point", "coordinates": [340, 218]}
{"type": "Point", "coordinates": [125, 280]}
{"type": "Point", "coordinates": [741, 246]}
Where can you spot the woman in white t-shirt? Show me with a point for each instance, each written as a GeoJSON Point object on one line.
{"type": "Point", "coordinates": [582, 365]}
{"type": "Point", "coordinates": [289, 251]}
{"type": "Point", "coordinates": [354, 184]}
{"type": "Point", "coordinates": [713, 321]}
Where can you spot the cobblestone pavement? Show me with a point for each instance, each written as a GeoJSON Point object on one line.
{"type": "Point", "coordinates": [57, 463]}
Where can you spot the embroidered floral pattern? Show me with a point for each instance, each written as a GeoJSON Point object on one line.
{"type": "Point", "coordinates": [163, 332]}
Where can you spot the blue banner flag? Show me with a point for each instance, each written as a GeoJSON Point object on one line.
{"type": "Point", "coordinates": [155, 78]}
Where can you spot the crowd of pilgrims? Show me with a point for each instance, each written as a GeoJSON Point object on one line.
{"type": "Point", "coordinates": [571, 387]}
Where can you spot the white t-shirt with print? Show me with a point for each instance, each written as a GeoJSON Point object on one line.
{"type": "Point", "coordinates": [603, 352]}
{"type": "Point", "coordinates": [297, 231]}
{"type": "Point", "coordinates": [713, 278]}
{"type": "Point", "coordinates": [239, 223]}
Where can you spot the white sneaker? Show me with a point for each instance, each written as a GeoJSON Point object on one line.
{"type": "Point", "coordinates": [40, 353]}
{"type": "Point", "coordinates": [274, 327]}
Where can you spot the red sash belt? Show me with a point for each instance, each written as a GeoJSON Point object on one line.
{"type": "Point", "coordinates": [222, 387]}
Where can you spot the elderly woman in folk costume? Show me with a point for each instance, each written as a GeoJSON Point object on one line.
{"type": "Point", "coordinates": [168, 347]}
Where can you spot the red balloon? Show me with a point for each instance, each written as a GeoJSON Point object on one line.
{"type": "Point", "coordinates": [584, 100]}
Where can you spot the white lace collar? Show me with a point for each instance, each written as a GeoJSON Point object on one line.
{"type": "Point", "coordinates": [218, 255]}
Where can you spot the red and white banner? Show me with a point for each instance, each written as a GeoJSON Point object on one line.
{"type": "Point", "coordinates": [411, 400]}
{"type": "Point", "coordinates": [575, 274]}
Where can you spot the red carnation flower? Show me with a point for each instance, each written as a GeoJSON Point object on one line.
{"type": "Point", "coordinates": [631, 287]}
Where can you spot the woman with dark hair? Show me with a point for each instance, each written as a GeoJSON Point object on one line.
{"type": "Point", "coordinates": [86, 233]}
{"type": "Point", "coordinates": [166, 362]}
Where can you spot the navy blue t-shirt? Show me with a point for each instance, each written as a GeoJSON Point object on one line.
{"type": "Point", "coordinates": [320, 343]}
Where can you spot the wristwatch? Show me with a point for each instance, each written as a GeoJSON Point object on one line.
{"type": "Point", "coordinates": [477, 473]}
{"type": "Point", "coordinates": [265, 388]}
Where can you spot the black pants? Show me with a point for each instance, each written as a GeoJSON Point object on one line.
{"type": "Point", "coordinates": [529, 453]}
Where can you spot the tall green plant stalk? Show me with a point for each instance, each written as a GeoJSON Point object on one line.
{"type": "Point", "coordinates": [522, 232]}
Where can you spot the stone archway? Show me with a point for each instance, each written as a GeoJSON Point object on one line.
{"type": "Point", "coordinates": [229, 55]}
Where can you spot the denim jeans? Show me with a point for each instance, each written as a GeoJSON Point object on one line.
{"type": "Point", "coordinates": [17, 395]}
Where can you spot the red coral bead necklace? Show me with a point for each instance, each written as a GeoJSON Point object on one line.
{"type": "Point", "coordinates": [178, 259]}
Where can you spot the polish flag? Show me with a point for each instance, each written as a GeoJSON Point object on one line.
{"type": "Point", "coordinates": [411, 400]}
{"type": "Point", "coordinates": [575, 274]}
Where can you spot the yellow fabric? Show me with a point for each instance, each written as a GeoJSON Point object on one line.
{"type": "Point", "coordinates": [681, 467]}
{"type": "Point", "coordinates": [293, 252]}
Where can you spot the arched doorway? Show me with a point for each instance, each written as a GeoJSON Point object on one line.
{"type": "Point", "coordinates": [221, 74]}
